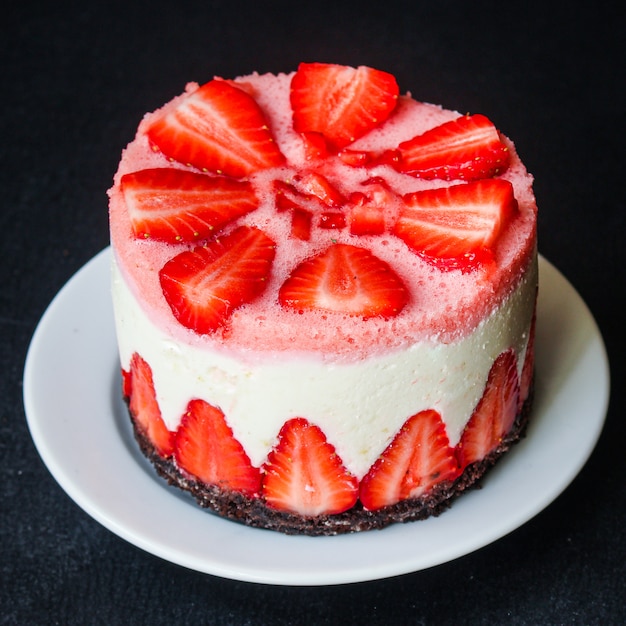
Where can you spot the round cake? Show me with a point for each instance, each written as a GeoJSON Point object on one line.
{"type": "Point", "coordinates": [324, 297]}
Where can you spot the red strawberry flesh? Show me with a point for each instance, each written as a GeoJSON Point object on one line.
{"type": "Point", "coordinates": [317, 185]}
{"type": "Point", "coordinates": [467, 148]}
{"type": "Point", "coordinates": [206, 448]}
{"type": "Point", "coordinates": [144, 407]}
{"type": "Point", "coordinates": [339, 102]}
{"type": "Point", "coordinates": [178, 206]}
{"type": "Point", "coordinates": [345, 279]}
{"type": "Point", "coordinates": [418, 458]}
{"type": "Point", "coordinates": [457, 227]}
{"type": "Point", "coordinates": [305, 475]}
{"type": "Point", "coordinates": [332, 220]}
{"type": "Point", "coordinates": [205, 285]}
{"type": "Point", "coordinates": [301, 220]}
{"type": "Point", "coordinates": [219, 128]}
{"type": "Point", "coordinates": [495, 413]}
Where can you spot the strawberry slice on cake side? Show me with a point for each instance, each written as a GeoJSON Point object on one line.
{"type": "Point", "coordinates": [304, 474]}
{"type": "Point", "coordinates": [494, 415]}
{"type": "Point", "coordinates": [418, 458]}
{"type": "Point", "coordinates": [141, 397]}
{"type": "Point", "coordinates": [206, 448]}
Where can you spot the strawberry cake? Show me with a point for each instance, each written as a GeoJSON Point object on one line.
{"type": "Point", "coordinates": [324, 295]}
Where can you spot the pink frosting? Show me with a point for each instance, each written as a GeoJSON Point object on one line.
{"type": "Point", "coordinates": [443, 305]}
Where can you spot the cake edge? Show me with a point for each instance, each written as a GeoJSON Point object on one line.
{"type": "Point", "coordinates": [254, 513]}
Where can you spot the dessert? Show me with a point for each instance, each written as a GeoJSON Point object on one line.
{"type": "Point", "coordinates": [324, 297]}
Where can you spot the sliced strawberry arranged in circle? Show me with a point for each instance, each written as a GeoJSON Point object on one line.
{"type": "Point", "coordinates": [304, 474]}
{"type": "Point", "coordinates": [180, 206]}
{"type": "Point", "coordinates": [205, 285]}
{"type": "Point", "coordinates": [468, 148]}
{"type": "Point", "coordinates": [206, 448]}
{"type": "Point", "coordinates": [495, 413]}
{"type": "Point", "coordinates": [218, 128]}
{"type": "Point", "coordinates": [345, 279]}
{"type": "Point", "coordinates": [457, 227]}
{"type": "Point", "coordinates": [339, 102]}
{"type": "Point", "coordinates": [418, 458]}
{"type": "Point", "coordinates": [144, 406]}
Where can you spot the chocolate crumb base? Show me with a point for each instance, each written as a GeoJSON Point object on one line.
{"type": "Point", "coordinates": [253, 512]}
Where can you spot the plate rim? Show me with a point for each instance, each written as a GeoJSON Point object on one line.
{"type": "Point", "coordinates": [96, 501]}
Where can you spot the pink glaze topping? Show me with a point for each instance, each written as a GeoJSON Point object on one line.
{"type": "Point", "coordinates": [443, 305]}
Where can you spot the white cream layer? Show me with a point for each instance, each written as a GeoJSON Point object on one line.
{"type": "Point", "coordinates": [359, 406]}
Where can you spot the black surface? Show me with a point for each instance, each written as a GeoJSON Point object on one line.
{"type": "Point", "coordinates": [75, 82]}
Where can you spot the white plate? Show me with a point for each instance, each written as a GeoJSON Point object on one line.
{"type": "Point", "coordinates": [80, 427]}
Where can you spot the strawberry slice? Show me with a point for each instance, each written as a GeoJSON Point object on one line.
{"type": "Point", "coordinates": [332, 220]}
{"type": "Point", "coordinates": [468, 147]}
{"type": "Point", "coordinates": [316, 184]}
{"type": "Point", "coordinates": [127, 384]}
{"type": "Point", "coordinates": [301, 221]}
{"type": "Point", "coordinates": [339, 102]}
{"type": "Point", "coordinates": [287, 196]}
{"type": "Point", "coordinates": [179, 206]}
{"type": "Point", "coordinates": [315, 148]}
{"type": "Point", "coordinates": [301, 206]}
{"type": "Point", "coordinates": [206, 448]}
{"type": "Point", "coordinates": [303, 473]}
{"type": "Point", "coordinates": [495, 413]}
{"type": "Point", "coordinates": [144, 407]}
{"type": "Point", "coordinates": [365, 218]}
{"type": "Point", "coordinates": [219, 128]}
{"type": "Point", "coordinates": [368, 207]}
{"type": "Point", "coordinates": [204, 286]}
{"type": "Point", "coordinates": [345, 279]}
{"type": "Point", "coordinates": [419, 457]}
{"type": "Point", "coordinates": [356, 158]}
{"type": "Point", "coordinates": [457, 227]}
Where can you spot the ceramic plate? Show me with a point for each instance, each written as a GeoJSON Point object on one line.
{"type": "Point", "coordinates": [79, 424]}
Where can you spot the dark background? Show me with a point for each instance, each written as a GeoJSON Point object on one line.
{"type": "Point", "coordinates": [75, 81]}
